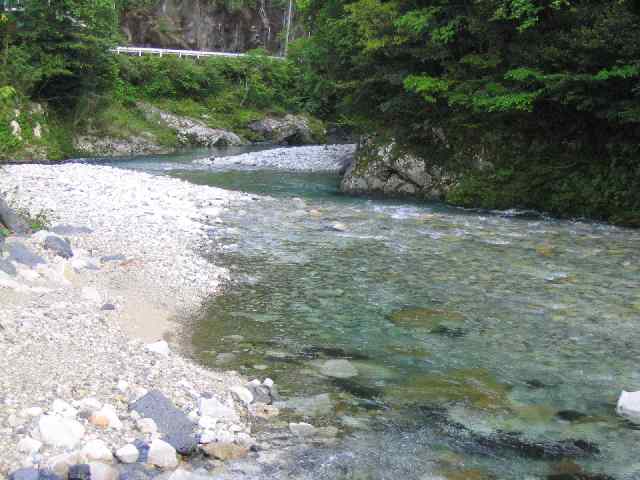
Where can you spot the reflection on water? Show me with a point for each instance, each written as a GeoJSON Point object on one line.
{"type": "Point", "coordinates": [483, 346]}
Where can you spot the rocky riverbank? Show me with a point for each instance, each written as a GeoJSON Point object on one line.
{"type": "Point", "coordinates": [90, 387]}
{"type": "Point", "coordinates": [384, 168]}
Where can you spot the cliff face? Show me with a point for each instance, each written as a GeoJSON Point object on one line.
{"type": "Point", "coordinates": [213, 25]}
{"type": "Point", "coordinates": [383, 168]}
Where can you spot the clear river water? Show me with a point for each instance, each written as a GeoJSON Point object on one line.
{"type": "Point", "coordinates": [478, 345]}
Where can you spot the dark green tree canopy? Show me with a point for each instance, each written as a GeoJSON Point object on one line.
{"type": "Point", "coordinates": [61, 48]}
{"type": "Point", "coordinates": [422, 62]}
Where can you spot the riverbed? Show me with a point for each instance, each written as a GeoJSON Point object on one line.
{"type": "Point", "coordinates": [471, 344]}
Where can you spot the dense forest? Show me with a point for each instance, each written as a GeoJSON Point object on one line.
{"type": "Point", "coordinates": [544, 92]}
{"type": "Point", "coordinates": [547, 91]}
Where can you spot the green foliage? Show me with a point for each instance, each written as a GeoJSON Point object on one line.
{"type": "Point", "coordinates": [428, 87]}
{"type": "Point", "coordinates": [259, 81]}
{"type": "Point", "coordinates": [38, 221]}
{"type": "Point", "coordinates": [548, 78]}
{"type": "Point", "coordinates": [59, 51]}
{"type": "Point", "coordinates": [7, 93]}
{"type": "Point", "coordinates": [584, 189]}
{"type": "Point", "coordinates": [223, 92]}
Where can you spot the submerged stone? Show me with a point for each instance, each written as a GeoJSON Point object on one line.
{"type": "Point", "coordinates": [315, 406]}
{"type": "Point", "coordinates": [571, 415]}
{"type": "Point", "coordinates": [433, 320]}
{"type": "Point", "coordinates": [545, 250]}
{"type": "Point", "coordinates": [465, 474]}
{"type": "Point", "coordinates": [357, 389]}
{"type": "Point", "coordinates": [570, 470]}
{"type": "Point", "coordinates": [473, 386]}
{"type": "Point", "coordinates": [338, 369]}
{"type": "Point", "coordinates": [535, 384]}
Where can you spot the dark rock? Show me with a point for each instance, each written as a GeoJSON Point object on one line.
{"type": "Point", "coordinates": [261, 394]}
{"type": "Point", "coordinates": [11, 220]}
{"type": "Point", "coordinates": [543, 449]}
{"type": "Point", "coordinates": [571, 415]}
{"type": "Point", "coordinates": [178, 430]}
{"type": "Point", "coordinates": [135, 471]}
{"type": "Point", "coordinates": [578, 476]}
{"type": "Point", "coordinates": [316, 351]}
{"type": "Point", "coordinates": [70, 230]}
{"type": "Point", "coordinates": [356, 389]}
{"type": "Point", "coordinates": [108, 307]}
{"type": "Point", "coordinates": [24, 474]}
{"type": "Point", "coordinates": [21, 254]}
{"type": "Point", "coordinates": [448, 331]}
{"type": "Point", "coordinates": [498, 442]}
{"type": "Point", "coordinates": [535, 384]}
{"type": "Point", "coordinates": [58, 246]}
{"type": "Point", "coordinates": [288, 130]}
{"type": "Point", "coordinates": [113, 258]}
{"type": "Point", "coordinates": [48, 475]}
{"type": "Point", "coordinates": [7, 267]}
{"type": "Point", "coordinates": [143, 449]}
{"type": "Point", "coordinates": [80, 472]}
{"type": "Point", "coordinates": [275, 394]}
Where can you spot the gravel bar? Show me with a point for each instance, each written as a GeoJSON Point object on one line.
{"type": "Point", "coordinates": [86, 376]}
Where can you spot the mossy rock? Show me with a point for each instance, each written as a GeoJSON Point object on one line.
{"type": "Point", "coordinates": [433, 320]}
{"type": "Point", "coordinates": [465, 474]}
{"type": "Point", "coordinates": [414, 351]}
{"type": "Point", "coordinates": [545, 250]}
{"type": "Point", "coordinates": [473, 386]}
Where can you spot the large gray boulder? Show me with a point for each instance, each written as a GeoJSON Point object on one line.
{"type": "Point", "coordinates": [287, 130]}
{"type": "Point", "coordinates": [10, 219]}
{"type": "Point", "coordinates": [58, 246]}
{"type": "Point", "coordinates": [19, 253]}
{"type": "Point", "coordinates": [387, 169]}
{"type": "Point", "coordinates": [98, 145]}
{"type": "Point", "coordinates": [7, 267]}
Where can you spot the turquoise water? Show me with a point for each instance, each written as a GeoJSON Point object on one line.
{"type": "Point", "coordinates": [486, 345]}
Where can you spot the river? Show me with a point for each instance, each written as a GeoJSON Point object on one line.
{"type": "Point", "coordinates": [477, 344]}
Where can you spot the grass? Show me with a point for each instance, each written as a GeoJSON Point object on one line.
{"type": "Point", "coordinates": [118, 120]}
{"type": "Point", "coordinates": [36, 222]}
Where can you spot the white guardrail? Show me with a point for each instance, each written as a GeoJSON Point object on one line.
{"type": "Point", "coordinates": [140, 51]}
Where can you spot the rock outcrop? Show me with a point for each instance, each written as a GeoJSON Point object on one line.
{"type": "Point", "coordinates": [387, 169]}
{"type": "Point", "coordinates": [191, 132]}
{"type": "Point", "coordinates": [287, 130]}
{"type": "Point", "coordinates": [10, 219]}
{"type": "Point", "coordinates": [93, 145]}
{"type": "Point", "coordinates": [215, 26]}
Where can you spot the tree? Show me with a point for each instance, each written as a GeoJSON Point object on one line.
{"type": "Point", "coordinates": [547, 87]}
{"type": "Point", "coordinates": [66, 45]}
{"type": "Point", "coordinates": [488, 58]}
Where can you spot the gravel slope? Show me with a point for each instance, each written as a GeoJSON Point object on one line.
{"type": "Point", "coordinates": [68, 326]}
